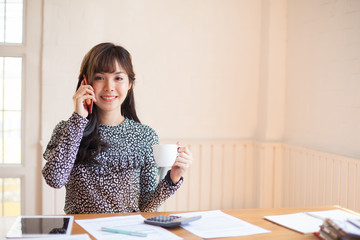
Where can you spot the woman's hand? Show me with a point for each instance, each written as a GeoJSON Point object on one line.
{"type": "Point", "coordinates": [181, 164]}
{"type": "Point", "coordinates": [83, 93]}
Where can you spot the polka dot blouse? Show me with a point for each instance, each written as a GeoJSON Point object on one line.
{"type": "Point", "coordinates": [126, 180]}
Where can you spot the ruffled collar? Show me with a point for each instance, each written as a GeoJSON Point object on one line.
{"type": "Point", "coordinates": [121, 125]}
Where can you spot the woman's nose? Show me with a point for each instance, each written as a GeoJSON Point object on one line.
{"type": "Point", "coordinates": [108, 86]}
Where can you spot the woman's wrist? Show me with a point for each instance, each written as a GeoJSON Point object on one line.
{"type": "Point", "coordinates": [174, 179]}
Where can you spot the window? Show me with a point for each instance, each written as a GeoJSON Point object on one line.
{"type": "Point", "coordinates": [11, 21]}
{"type": "Point", "coordinates": [11, 76]}
{"type": "Point", "coordinates": [10, 204]}
{"type": "Point", "coordinates": [10, 109]}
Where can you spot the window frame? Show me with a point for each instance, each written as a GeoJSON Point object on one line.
{"type": "Point", "coordinates": [30, 50]}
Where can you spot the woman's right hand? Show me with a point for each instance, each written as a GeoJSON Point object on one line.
{"type": "Point", "coordinates": [83, 93]}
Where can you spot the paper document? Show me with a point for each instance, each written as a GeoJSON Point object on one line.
{"type": "Point", "coordinates": [133, 223]}
{"type": "Point", "coordinates": [215, 224]}
{"type": "Point", "coordinates": [67, 237]}
{"type": "Point", "coordinates": [309, 222]}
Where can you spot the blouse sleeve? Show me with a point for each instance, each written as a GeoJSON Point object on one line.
{"type": "Point", "coordinates": [61, 151]}
{"type": "Point", "coordinates": [152, 195]}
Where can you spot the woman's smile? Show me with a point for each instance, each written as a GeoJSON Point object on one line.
{"type": "Point", "coordinates": [108, 98]}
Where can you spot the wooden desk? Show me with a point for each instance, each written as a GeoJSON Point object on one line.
{"type": "Point", "coordinates": [254, 216]}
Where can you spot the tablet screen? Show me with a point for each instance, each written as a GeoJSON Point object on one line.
{"type": "Point", "coordinates": [41, 225]}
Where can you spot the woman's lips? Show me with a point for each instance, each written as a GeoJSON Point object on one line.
{"type": "Point", "coordinates": [108, 98]}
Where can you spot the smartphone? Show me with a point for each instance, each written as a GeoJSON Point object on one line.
{"type": "Point", "coordinates": [89, 102]}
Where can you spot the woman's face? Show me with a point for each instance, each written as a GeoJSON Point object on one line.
{"type": "Point", "coordinates": [111, 89]}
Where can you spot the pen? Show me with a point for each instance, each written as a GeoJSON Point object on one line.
{"type": "Point", "coordinates": [132, 233]}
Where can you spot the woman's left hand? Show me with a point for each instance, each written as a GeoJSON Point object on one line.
{"type": "Point", "coordinates": [181, 164]}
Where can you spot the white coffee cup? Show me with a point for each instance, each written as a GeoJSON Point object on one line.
{"type": "Point", "coordinates": [165, 154]}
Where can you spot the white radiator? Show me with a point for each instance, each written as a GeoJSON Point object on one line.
{"type": "Point", "coordinates": [314, 178]}
{"type": "Point", "coordinates": [250, 175]}
{"type": "Point", "coordinates": [223, 175]}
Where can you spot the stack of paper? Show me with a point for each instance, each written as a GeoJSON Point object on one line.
{"type": "Point", "coordinates": [333, 229]}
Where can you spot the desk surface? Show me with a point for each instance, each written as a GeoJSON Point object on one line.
{"type": "Point", "coordinates": [254, 216]}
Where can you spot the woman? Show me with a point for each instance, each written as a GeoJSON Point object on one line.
{"type": "Point", "coordinates": [103, 156]}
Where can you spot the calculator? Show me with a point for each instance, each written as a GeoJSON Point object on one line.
{"type": "Point", "coordinates": [170, 221]}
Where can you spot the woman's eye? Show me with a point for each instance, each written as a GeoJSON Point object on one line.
{"type": "Point", "coordinates": [119, 78]}
{"type": "Point", "coordinates": [98, 78]}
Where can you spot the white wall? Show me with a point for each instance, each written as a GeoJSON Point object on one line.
{"type": "Point", "coordinates": [205, 69]}
{"type": "Point", "coordinates": [271, 93]}
{"type": "Point", "coordinates": [323, 76]}
{"type": "Point", "coordinates": [268, 70]}
{"type": "Point", "coordinates": [197, 62]}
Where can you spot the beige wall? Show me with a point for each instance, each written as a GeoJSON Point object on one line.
{"type": "Point", "coordinates": [323, 76]}
{"type": "Point", "coordinates": [218, 71]}
{"type": "Point", "coordinates": [197, 62]}
{"type": "Point", "coordinates": [268, 70]}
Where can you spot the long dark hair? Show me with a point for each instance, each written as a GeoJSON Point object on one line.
{"type": "Point", "coordinates": [103, 58]}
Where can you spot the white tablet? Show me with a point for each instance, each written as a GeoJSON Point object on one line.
{"type": "Point", "coordinates": [41, 226]}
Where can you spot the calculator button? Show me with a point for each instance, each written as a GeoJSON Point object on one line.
{"type": "Point", "coordinates": [170, 221]}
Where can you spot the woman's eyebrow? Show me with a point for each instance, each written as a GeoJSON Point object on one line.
{"type": "Point", "coordinates": [120, 72]}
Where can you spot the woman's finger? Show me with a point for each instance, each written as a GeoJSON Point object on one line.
{"type": "Point", "coordinates": [184, 155]}
{"type": "Point", "coordinates": [85, 92]}
{"type": "Point", "coordinates": [184, 149]}
{"type": "Point", "coordinates": [183, 160]}
{"type": "Point", "coordinates": [181, 165]}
